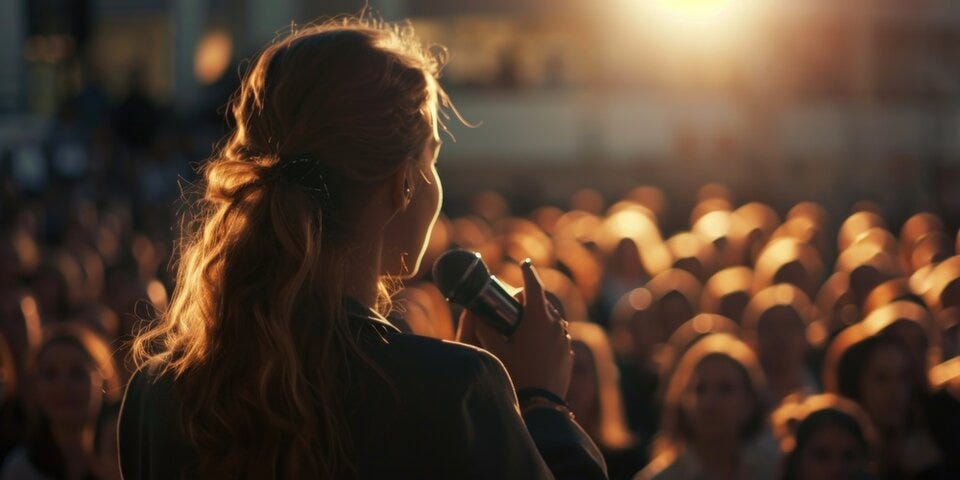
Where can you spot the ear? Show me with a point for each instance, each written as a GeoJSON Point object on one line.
{"type": "Point", "coordinates": [401, 188]}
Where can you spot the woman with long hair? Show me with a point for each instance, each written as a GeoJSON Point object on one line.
{"type": "Point", "coordinates": [596, 400]}
{"type": "Point", "coordinates": [824, 437]}
{"type": "Point", "coordinates": [275, 358]}
{"type": "Point", "coordinates": [713, 416]}
{"type": "Point", "coordinates": [878, 371]}
{"type": "Point", "coordinates": [74, 384]}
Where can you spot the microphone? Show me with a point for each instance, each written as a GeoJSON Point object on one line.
{"type": "Point", "coordinates": [465, 280]}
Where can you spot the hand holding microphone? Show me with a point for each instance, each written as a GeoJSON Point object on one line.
{"type": "Point", "coordinates": [537, 351]}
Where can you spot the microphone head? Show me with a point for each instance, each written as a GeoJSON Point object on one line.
{"type": "Point", "coordinates": [460, 275]}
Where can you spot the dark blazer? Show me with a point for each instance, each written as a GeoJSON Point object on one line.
{"type": "Point", "coordinates": [451, 413]}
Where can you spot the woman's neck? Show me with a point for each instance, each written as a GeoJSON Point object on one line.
{"type": "Point", "coordinates": [363, 274]}
{"type": "Point", "coordinates": [720, 459]}
{"type": "Point", "coordinates": [77, 446]}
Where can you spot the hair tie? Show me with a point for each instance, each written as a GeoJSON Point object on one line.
{"type": "Point", "coordinates": [305, 172]}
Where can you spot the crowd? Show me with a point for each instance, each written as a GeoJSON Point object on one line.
{"type": "Point", "coordinates": [750, 345]}
{"type": "Point", "coordinates": [734, 349]}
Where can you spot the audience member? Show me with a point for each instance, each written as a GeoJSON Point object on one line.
{"type": "Point", "coordinates": [74, 381]}
{"type": "Point", "coordinates": [713, 416]}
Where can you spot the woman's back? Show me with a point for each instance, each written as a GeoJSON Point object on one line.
{"type": "Point", "coordinates": [440, 410]}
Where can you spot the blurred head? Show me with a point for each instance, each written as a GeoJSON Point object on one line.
{"type": "Point", "coordinates": [941, 286]}
{"type": "Point", "coordinates": [836, 304]}
{"type": "Point", "coordinates": [810, 210]}
{"type": "Point", "coordinates": [757, 221]}
{"type": "Point", "coordinates": [804, 230]}
{"type": "Point", "coordinates": [650, 197]}
{"type": "Point", "coordinates": [949, 322]}
{"type": "Point", "coordinates": [58, 285]}
{"type": "Point", "coordinates": [915, 228]}
{"type": "Point", "coordinates": [330, 166]}
{"type": "Point", "coordinates": [691, 253]}
{"type": "Point", "coordinates": [727, 292]}
{"type": "Point", "coordinates": [855, 225]}
{"type": "Point", "coordinates": [877, 372]}
{"type": "Point", "coordinates": [73, 376]}
{"type": "Point", "coordinates": [887, 292]}
{"type": "Point", "coordinates": [825, 437]}
{"type": "Point", "coordinates": [635, 330]}
{"type": "Point", "coordinates": [913, 324]}
{"type": "Point", "coordinates": [21, 324]}
{"type": "Point", "coordinates": [594, 393]}
{"type": "Point", "coordinates": [775, 323]}
{"type": "Point", "coordinates": [867, 266]}
{"type": "Point", "coordinates": [930, 249]}
{"type": "Point", "coordinates": [787, 260]}
{"type": "Point", "coordinates": [713, 395]}
{"type": "Point", "coordinates": [676, 295]}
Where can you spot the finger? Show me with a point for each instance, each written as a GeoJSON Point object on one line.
{"type": "Point", "coordinates": [533, 296]}
{"type": "Point", "coordinates": [554, 305]}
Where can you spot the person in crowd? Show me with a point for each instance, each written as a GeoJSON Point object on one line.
{"type": "Point", "coordinates": [689, 333]}
{"type": "Point", "coordinates": [775, 325]}
{"type": "Point", "coordinates": [878, 372]}
{"type": "Point", "coordinates": [727, 293]}
{"type": "Point", "coordinates": [692, 253]}
{"type": "Point", "coordinates": [595, 399]}
{"type": "Point", "coordinates": [825, 437]}
{"type": "Point", "coordinates": [676, 298]}
{"type": "Point", "coordinates": [636, 338]}
{"type": "Point", "coordinates": [21, 325]}
{"type": "Point", "coordinates": [73, 381]}
{"type": "Point", "coordinates": [788, 260]}
{"type": "Point", "coordinates": [622, 273]}
{"type": "Point", "coordinates": [713, 422]}
{"type": "Point", "coordinates": [276, 358]}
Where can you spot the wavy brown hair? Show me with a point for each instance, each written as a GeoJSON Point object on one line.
{"type": "Point", "coordinates": [256, 333]}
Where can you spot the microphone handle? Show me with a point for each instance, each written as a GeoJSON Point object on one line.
{"type": "Point", "coordinates": [496, 306]}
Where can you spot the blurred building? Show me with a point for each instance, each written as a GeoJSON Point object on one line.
{"type": "Point", "coordinates": [784, 100]}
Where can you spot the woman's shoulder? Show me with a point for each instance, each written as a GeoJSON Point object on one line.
{"type": "Point", "coordinates": [151, 383]}
{"type": "Point", "coordinates": [438, 360]}
{"type": "Point", "coordinates": [149, 426]}
{"type": "Point", "coordinates": [17, 466]}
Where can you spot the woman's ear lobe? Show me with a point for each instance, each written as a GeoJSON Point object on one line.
{"type": "Point", "coordinates": [399, 186]}
{"type": "Point", "coordinates": [407, 193]}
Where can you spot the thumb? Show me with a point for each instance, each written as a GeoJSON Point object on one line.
{"type": "Point", "coordinates": [533, 296]}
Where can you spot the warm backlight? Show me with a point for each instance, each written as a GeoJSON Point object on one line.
{"type": "Point", "coordinates": [714, 25]}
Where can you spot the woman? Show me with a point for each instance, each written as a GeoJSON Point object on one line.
{"type": "Point", "coordinates": [275, 359]}
{"type": "Point", "coordinates": [713, 416]}
{"type": "Point", "coordinates": [878, 372]}
{"type": "Point", "coordinates": [775, 325]}
{"type": "Point", "coordinates": [74, 382]}
{"type": "Point", "coordinates": [636, 338]}
{"type": "Point", "coordinates": [596, 401]}
{"type": "Point", "coordinates": [825, 437]}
